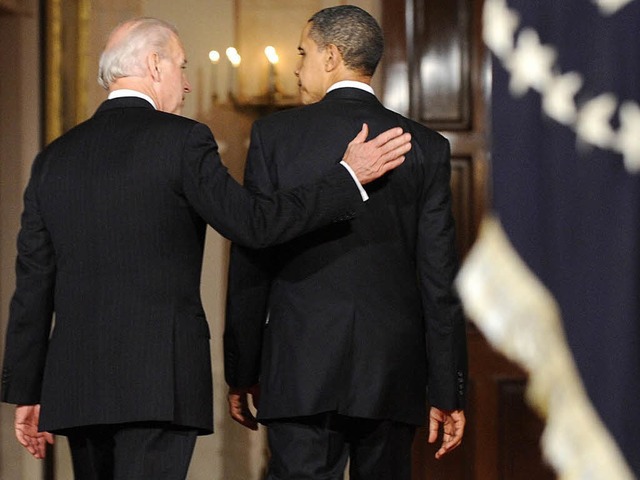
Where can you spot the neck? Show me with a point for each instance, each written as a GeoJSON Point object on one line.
{"type": "Point", "coordinates": [346, 74]}
{"type": "Point", "coordinates": [138, 84]}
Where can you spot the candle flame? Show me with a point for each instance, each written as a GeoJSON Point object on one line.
{"type": "Point", "coordinates": [214, 56]}
{"type": "Point", "coordinates": [271, 54]}
{"type": "Point", "coordinates": [233, 56]}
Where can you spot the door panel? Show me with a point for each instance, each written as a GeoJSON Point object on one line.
{"type": "Point", "coordinates": [439, 63]}
{"type": "Point", "coordinates": [462, 199]}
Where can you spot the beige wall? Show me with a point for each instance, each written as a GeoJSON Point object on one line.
{"type": "Point", "coordinates": [232, 453]}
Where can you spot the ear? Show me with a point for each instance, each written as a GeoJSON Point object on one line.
{"type": "Point", "coordinates": [153, 64]}
{"type": "Point", "coordinates": [333, 58]}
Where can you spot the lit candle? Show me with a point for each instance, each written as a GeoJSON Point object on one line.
{"type": "Point", "coordinates": [273, 58]}
{"type": "Point", "coordinates": [214, 56]}
{"type": "Point", "coordinates": [235, 59]}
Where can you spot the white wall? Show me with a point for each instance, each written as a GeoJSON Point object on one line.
{"type": "Point", "coordinates": [204, 25]}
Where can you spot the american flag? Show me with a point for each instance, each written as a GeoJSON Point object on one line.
{"type": "Point", "coordinates": [565, 153]}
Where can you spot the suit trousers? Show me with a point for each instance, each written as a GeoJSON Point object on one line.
{"type": "Point", "coordinates": [140, 451]}
{"type": "Point", "coordinates": [318, 447]}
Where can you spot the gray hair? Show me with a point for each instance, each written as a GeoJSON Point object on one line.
{"type": "Point", "coordinates": [354, 32]}
{"type": "Point", "coordinates": [126, 57]}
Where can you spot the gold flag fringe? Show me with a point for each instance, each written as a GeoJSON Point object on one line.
{"type": "Point", "coordinates": [520, 318]}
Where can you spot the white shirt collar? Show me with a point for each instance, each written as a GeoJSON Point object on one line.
{"type": "Point", "coordinates": [126, 92]}
{"type": "Point", "coordinates": [352, 84]}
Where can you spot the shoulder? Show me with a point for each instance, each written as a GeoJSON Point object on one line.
{"type": "Point", "coordinates": [158, 130]}
{"type": "Point", "coordinates": [288, 117]}
{"type": "Point", "coordinates": [169, 120]}
{"type": "Point", "coordinates": [166, 127]}
{"type": "Point", "coordinates": [421, 131]}
{"type": "Point", "coordinates": [425, 139]}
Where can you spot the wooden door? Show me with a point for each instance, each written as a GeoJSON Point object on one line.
{"type": "Point", "coordinates": [437, 71]}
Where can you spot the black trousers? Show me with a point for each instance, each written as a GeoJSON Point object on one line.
{"type": "Point", "coordinates": [317, 448]}
{"type": "Point", "coordinates": [136, 451]}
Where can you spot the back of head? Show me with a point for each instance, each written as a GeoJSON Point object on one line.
{"type": "Point", "coordinates": [354, 32]}
{"type": "Point", "coordinates": [128, 46]}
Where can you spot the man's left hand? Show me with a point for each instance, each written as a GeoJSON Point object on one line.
{"type": "Point", "coordinates": [26, 425]}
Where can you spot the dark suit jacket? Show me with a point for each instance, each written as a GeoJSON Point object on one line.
{"type": "Point", "coordinates": [111, 242]}
{"type": "Point", "coordinates": [360, 316]}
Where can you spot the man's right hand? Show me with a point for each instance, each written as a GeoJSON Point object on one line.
{"type": "Point", "coordinates": [370, 160]}
{"type": "Point", "coordinates": [453, 422]}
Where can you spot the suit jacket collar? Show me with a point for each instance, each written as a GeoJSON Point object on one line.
{"type": "Point", "coordinates": [123, 102]}
{"type": "Point", "coordinates": [348, 93]}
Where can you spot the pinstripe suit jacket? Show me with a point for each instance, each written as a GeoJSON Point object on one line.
{"type": "Point", "coordinates": [362, 318]}
{"type": "Point", "coordinates": [111, 242]}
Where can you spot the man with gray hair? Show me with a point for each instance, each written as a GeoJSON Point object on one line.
{"type": "Point", "coordinates": [343, 331]}
{"type": "Point", "coordinates": [111, 242]}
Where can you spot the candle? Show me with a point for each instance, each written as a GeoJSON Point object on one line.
{"type": "Point", "coordinates": [235, 59]}
{"type": "Point", "coordinates": [214, 56]}
{"type": "Point", "coordinates": [273, 58]}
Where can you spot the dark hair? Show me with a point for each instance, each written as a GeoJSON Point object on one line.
{"type": "Point", "coordinates": [354, 32]}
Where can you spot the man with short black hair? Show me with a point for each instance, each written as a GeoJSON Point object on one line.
{"type": "Point", "coordinates": [341, 332]}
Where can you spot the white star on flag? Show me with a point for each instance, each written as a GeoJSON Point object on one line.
{"type": "Point", "coordinates": [558, 100]}
{"type": "Point", "coordinates": [530, 64]}
{"type": "Point", "coordinates": [628, 141]}
{"type": "Point", "coordinates": [500, 24]}
{"type": "Point", "coordinates": [593, 125]}
{"type": "Point", "coordinates": [609, 7]}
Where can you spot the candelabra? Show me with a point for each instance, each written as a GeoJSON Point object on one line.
{"type": "Point", "coordinates": [273, 98]}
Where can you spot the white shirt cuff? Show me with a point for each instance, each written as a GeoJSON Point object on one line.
{"type": "Point", "coordinates": [363, 192]}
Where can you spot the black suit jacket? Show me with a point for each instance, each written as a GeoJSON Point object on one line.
{"type": "Point", "coordinates": [357, 317]}
{"type": "Point", "coordinates": [111, 242]}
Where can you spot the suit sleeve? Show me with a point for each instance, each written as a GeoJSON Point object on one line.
{"type": "Point", "coordinates": [437, 267]}
{"type": "Point", "coordinates": [31, 308]}
{"type": "Point", "coordinates": [254, 219]}
{"type": "Point", "coordinates": [250, 277]}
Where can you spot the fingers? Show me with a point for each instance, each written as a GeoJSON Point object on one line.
{"type": "Point", "coordinates": [450, 441]}
{"type": "Point", "coordinates": [362, 135]}
{"type": "Point", "coordinates": [40, 446]}
{"type": "Point", "coordinates": [36, 444]}
{"type": "Point", "coordinates": [388, 166]}
{"type": "Point", "coordinates": [240, 412]}
{"type": "Point", "coordinates": [31, 445]}
{"type": "Point", "coordinates": [393, 152]}
{"type": "Point", "coordinates": [453, 423]}
{"type": "Point", "coordinates": [434, 426]}
{"type": "Point", "coordinates": [396, 148]}
{"type": "Point", "coordinates": [372, 159]}
{"type": "Point", "coordinates": [22, 438]}
{"type": "Point", "coordinates": [246, 419]}
{"type": "Point", "coordinates": [389, 135]}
